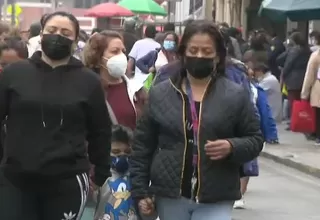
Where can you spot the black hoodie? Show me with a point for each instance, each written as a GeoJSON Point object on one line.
{"type": "Point", "coordinates": [52, 112]}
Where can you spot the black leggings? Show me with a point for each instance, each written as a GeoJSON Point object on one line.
{"type": "Point", "coordinates": [48, 200]}
{"type": "Point", "coordinates": [317, 122]}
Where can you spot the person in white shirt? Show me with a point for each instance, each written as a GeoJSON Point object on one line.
{"type": "Point", "coordinates": [34, 43]}
{"type": "Point", "coordinates": [271, 85]}
{"type": "Point", "coordinates": [140, 49]}
{"type": "Point", "coordinates": [34, 38]}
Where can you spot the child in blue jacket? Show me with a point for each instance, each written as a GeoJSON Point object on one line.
{"type": "Point", "coordinates": [237, 72]}
{"type": "Point", "coordinates": [267, 123]}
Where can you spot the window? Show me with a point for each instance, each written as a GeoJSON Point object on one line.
{"type": "Point", "coordinates": [87, 3]}
{"type": "Point", "coordinates": [78, 3]}
{"type": "Point", "coordinates": [197, 4]}
{"type": "Point", "coordinates": [83, 3]}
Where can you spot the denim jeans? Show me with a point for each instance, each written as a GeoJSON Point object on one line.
{"type": "Point", "coordinates": [185, 209]}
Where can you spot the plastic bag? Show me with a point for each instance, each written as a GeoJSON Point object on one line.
{"type": "Point", "coordinates": [303, 117]}
{"type": "Point", "coordinates": [149, 81]}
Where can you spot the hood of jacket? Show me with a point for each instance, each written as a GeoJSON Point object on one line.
{"type": "Point", "coordinates": [73, 63]}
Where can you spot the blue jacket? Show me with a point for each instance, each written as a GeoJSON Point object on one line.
{"type": "Point", "coordinates": [166, 71]}
{"type": "Point", "coordinates": [267, 123]}
{"type": "Point", "coordinates": [147, 61]}
{"type": "Point", "coordinates": [236, 72]}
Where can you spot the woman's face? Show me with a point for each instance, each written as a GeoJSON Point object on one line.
{"type": "Point", "coordinates": [250, 70]}
{"type": "Point", "coordinates": [202, 46]}
{"type": "Point", "coordinates": [169, 37]}
{"type": "Point", "coordinates": [4, 35]}
{"type": "Point", "coordinates": [169, 43]}
{"type": "Point", "coordinates": [115, 47]}
{"type": "Point", "coordinates": [60, 25]}
{"type": "Point", "coordinates": [120, 149]}
{"type": "Point", "coordinates": [8, 56]}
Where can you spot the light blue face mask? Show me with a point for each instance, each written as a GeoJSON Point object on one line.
{"type": "Point", "coordinates": [169, 45]}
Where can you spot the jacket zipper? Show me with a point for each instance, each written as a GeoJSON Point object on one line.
{"type": "Point", "coordinates": [186, 141]}
{"type": "Point", "coordinates": [198, 144]}
{"type": "Point", "coordinates": [185, 135]}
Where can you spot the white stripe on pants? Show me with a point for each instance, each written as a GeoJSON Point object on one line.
{"type": "Point", "coordinates": [84, 189]}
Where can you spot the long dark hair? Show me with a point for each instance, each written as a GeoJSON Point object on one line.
{"type": "Point", "coordinates": [205, 27]}
{"type": "Point", "coordinates": [299, 40]}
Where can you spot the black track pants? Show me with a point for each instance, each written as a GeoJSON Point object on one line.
{"type": "Point", "coordinates": [62, 199]}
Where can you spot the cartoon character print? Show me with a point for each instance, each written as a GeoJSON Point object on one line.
{"type": "Point", "coordinates": [120, 205]}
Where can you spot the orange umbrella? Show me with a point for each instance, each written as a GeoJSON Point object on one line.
{"type": "Point", "coordinates": [108, 10]}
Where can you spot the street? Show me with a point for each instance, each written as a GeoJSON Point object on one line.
{"type": "Point", "coordinates": [279, 193]}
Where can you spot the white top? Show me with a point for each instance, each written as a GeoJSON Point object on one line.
{"type": "Point", "coordinates": [271, 85]}
{"type": "Point", "coordinates": [161, 61]}
{"type": "Point", "coordinates": [34, 45]}
{"type": "Point", "coordinates": [141, 48]}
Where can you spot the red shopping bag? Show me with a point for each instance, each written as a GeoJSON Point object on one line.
{"type": "Point", "coordinates": [303, 117]}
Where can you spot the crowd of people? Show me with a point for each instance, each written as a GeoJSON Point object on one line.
{"type": "Point", "coordinates": [166, 126]}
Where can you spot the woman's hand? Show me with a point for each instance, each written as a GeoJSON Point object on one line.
{"type": "Point", "coordinates": [152, 70]}
{"type": "Point", "coordinates": [93, 186]}
{"type": "Point", "coordinates": [146, 206]}
{"type": "Point", "coordinates": [218, 149]}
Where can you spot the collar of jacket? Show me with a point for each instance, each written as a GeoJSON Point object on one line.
{"type": "Point", "coordinates": [132, 88]}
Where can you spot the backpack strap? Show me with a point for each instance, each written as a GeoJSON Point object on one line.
{"type": "Point", "coordinates": [111, 114]}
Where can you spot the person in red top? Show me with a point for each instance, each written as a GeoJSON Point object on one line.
{"type": "Point", "coordinates": [105, 52]}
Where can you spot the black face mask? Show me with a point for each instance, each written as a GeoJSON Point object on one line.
{"type": "Point", "coordinates": [199, 67]}
{"type": "Point", "coordinates": [55, 46]}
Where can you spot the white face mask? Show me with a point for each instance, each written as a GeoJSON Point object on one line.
{"type": "Point", "coordinates": [117, 65]}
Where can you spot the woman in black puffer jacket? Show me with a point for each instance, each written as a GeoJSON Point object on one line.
{"type": "Point", "coordinates": [197, 130]}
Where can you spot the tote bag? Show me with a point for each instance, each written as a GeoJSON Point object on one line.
{"type": "Point", "coordinates": [303, 117]}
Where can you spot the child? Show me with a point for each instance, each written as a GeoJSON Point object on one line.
{"type": "Point", "coordinates": [270, 84]}
{"type": "Point", "coordinates": [267, 124]}
{"type": "Point", "coordinates": [260, 98]}
{"type": "Point", "coordinates": [114, 200]}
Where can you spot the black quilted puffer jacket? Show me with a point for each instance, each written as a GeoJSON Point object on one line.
{"type": "Point", "coordinates": [160, 141]}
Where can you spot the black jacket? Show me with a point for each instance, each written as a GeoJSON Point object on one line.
{"type": "Point", "coordinates": [160, 141]}
{"type": "Point", "coordinates": [295, 66]}
{"type": "Point", "coordinates": [129, 40]}
{"type": "Point", "coordinates": [52, 112]}
{"type": "Point", "coordinates": [277, 49]}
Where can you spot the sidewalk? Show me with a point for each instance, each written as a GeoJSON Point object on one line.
{"type": "Point", "coordinates": [295, 151]}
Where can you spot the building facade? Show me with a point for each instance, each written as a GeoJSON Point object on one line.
{"type": "Point", "coordinates": [33, 11]}
{"type": "Point", "coordinates": [244, 14]}
{"type": "Point", "coordinates": [189, 9]}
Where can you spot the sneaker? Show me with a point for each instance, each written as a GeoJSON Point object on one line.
{"type": "Point", "coordinates": [273, 142]}
{"type": "Point", "coordinates": [317, 142]}
{"type": "Point", "coordinates": [239, 204]}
